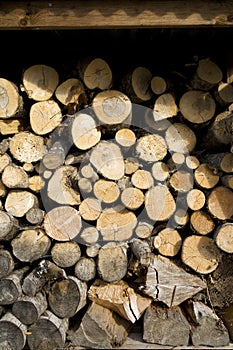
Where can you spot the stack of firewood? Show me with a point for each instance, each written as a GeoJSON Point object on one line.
{"type": "Point", "coordinates": [116, 206]}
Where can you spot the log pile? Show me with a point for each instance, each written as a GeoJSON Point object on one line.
{"type": "Point", "coordinates": [116, 207]}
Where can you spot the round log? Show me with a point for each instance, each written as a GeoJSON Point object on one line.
{"type": "Point", "coordinates": [89, 235]}
{"type": "Point", "coordinates": [11, 101]}
{"type": "Point", "coordinates": [9, 226]}
{"type": "Point", "coordinates": [67, 297]}
{"type": "Point", "coordinates": [35, 216]}
{"type": "Point", "coordinates": [168, 242]}
{"type": "Point", "coordinates": [223, 236]}
{"type": "Point", "coordinates": [112, 107]}
{"type": "Point", "coordinates": [90, 209]}
{"type": "Point", "coordinates": [131, 165]}
{"type": "Point", "coordinates": [85, 269]}
{"type": "Point", "coordinates": [142, 179]}
{"type": "Point", "coordinates": [14, 176]}
{"type": "Point", "coordinates": [181, 181]}
{"type": "Point", "coordinates": [84, 131]}
{"type": "Point", "coordinates": [30, 245]}
{"type": "Point", "coordinates": [70, 91]}
{"type": "Point", "coordinates": [195, 199]}
{"type": "Point", "coordinates": [201, 222]}
{"type": "Point", "coordinates": [27, 147]}
{"type": "Point", "coordinates": [7, 263]}
{"type": "Point", "coordinates": [96, 74]}
{"type": "Point", "coordinates": [205, 176]}
{"type": "Point", "coordinates": [151, 148]}
{"type": "Point", "coordinates": [45, 116]}
{"type": "Point", "coordinates": [48, 333]}
{"type": "Point", "coordinates": [158, 85]}
{"type": "Point", "coordinates": [197, 106]}
{"type": "Point", "coordinates": [200, 253]}
{"type": "Point", "coordinates": [132, 198]}
{"type": "Point", "coordinates": [18, 202]}
{"type": "Point", "coordinates": [112, 262]}
{"type": "Point", "coordinates": [62, 223]}
{"type": "Point", "coordinates": [40, 82]}
{"type": "Point", "coordinates": [160, 171]}
{"type": "Point", "coordinates": [66, 254]}
{"type": "Point", "coordinates": [180, 138]}
{"type": "Point", "coordinates": [207, 75]}
{"type": "Point", "coordinates": [13, 332]}
{"type": "Point", "coordinates": [106, 191]}
{"type": "Point", "coordinates": [28, 309]}
{"type": "Point", "coordinates": [219, 203]}
{"type": "Point", "coordinates": [125, 137]}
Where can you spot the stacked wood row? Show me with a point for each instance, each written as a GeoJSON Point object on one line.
{"type": "Point", "coordinates": [116, 207]}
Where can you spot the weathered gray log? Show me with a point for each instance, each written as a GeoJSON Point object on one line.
{"type": "Point", "coordinates": [7, 263]}
{"type": "Point", "coordinates": [165, 326]}
{"type": "Point", "coordinates": [12, 332]}
{"type": "Point", "coordinates": [85, 269]}
{"type": "Point", "coordinates": [206, 327]}
{"type": "Point", "coordinates": [29, 309]}
{"type": "Point", "coordinates": [67, 297]}
{"type": "Point", "coordinates": [48, 333]}
{"type": "Point", "coordinates": [9, 226]}
{"type": "Point", "coordinates": [66, 254]}
{"type": "Point", "coordinates": [100, 328]}
{"type": "Point", "coordinates": [11, 286]}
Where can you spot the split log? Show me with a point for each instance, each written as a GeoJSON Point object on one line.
{"type": "Point", "coordinates": [168, 242]}
{"type": "Point", "coordinates": [11, 101]}
{"type": "Point", "coordinates": [89, 235]}
{"type": "Point", "coordinates": [62, 223]}
{"type": "Point", "coordinates": [9, 226]}
{"type": "Point", "coordinates": [54, 157]}
{"type": "Point", "coordinates": [30, 245]}
{"type": "Point", "coordinates": [169, 283]}
{"type": "Point", "coordinates": [18, 202]}
{"type": "Point", "coordinates": [44, 272]}
{"type": "Point", "coordinates": [219, 135]}
{"type": "Point", "coordinates": [165, 326]}
{"type": "Point", "coordinates": [85, 269]}
{"type": "Point", "coordinates": [85, 133]}
{"type": "Point", "coordinates": [141, 249]}
{"type": "Point", "coordinates": [132, 198]}
{"type": "Point", "coordinates": [207, 75]}
{"type": "Point", "coordinates": [66, 254]}
{"type": "Point", "coordinates": [112, 262]}
{"type": "Point", "coordinates": [200, 253]}
{"type": "Point", "coordinates": [219, 203]}
{"type": "Point", "coordinates": [7, 263]}
{"type": "Point", "coordinates": [106, 331]}
{"type": "Point", "coordinates": [205, 322]}
{"type": "Point", "coordinates": [106, 191]}
{"type": "Point", "coordinates": [60, 188]}
{"type": "Point", "coordinates": [137, 84]}
{"type": "Point", "coordinates": [67, 297]}
{"type": "Point", "coordinates": [112, 107]}
{"type": "Point", "coordinates": [49, 332]}
{"type": "Point", "coordinates": [142, 179]}
{"type": "Point", "coordinates": [205, 177]}
{"type": "Point", "coordinates": [70, 92]}
{"type": "Point", "coordinates": [27, 147]}
{"type": "Point", "coordinates": [13, 332]}
{"type": "Point", "coordinates": [107, 158]}
{"type": "Point", "coordinates": [160, 171]}
{"type": "Point", "coordinates": [223, 237]}
{"type": "Point", "coordinates": [11, 286]}
{"type": "Point", "coordinates": [45, 116]}
{"type": "Point", "coordinates": [195, 199]}
{"type": "Point", "coordinates": [165, 107]}
{"type": "Point", "coordinates": [90, 209]}
{"type": "Point", "coordinates": [158, 85]}
{"type": "Point", "coordinates": [180, 138]}
{"type": "Point", "coordinates": [40, 81]}
{"type": "Point", "coordinates": [29, 309]}
{"type": "Point", "coordinates": [151, 148]}
{"type": "Point", "coordinates": [95, 73]}
{"type": "Point", "coordinates": [35, 216]}
{"type": "Point", "coordinates": [119, 297]}
{"type": "Point", "coordinates": [116, 224]}
{"type": "Point", "coordinates": [201, 222]}
{"type": "Point", "coordinates": [197, 107]}
{"type": "Point", "coordinates": [159, 203]}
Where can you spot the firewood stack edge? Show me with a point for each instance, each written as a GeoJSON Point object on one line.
{"type": "Point", "coordinates": [116, 206]}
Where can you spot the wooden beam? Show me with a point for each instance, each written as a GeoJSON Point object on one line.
{"type": "Point", "coordinates": [114, 14]}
